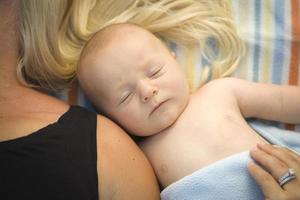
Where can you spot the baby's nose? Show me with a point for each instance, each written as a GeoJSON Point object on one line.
{"type": "Point", "coordinates": [151, 93]}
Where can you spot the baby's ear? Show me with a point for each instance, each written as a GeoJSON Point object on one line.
{"type": "Point", "coordinates": [173, 54]}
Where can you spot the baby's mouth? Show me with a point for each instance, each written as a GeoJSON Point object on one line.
{"type": "Point", "coordinates": [157, 106]}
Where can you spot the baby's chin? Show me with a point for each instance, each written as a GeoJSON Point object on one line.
{"type": "Point", "coordinates": [156, 126]}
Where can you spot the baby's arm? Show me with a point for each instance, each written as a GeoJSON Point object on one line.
{"type": "Point", "coordinates": [265, 101]}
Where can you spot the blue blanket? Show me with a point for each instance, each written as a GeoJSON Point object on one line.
{"type": "Point", "coordinates": [229, 178]}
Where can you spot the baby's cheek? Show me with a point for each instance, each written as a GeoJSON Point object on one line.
{"type": "Point", "coordinates": [130, 122]}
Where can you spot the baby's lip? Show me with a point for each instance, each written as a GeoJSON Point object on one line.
{"type": "Point", "coordinates": [157, 106]}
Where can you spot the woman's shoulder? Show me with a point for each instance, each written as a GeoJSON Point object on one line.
{"type": "Point", "coordinates": [119, 160]}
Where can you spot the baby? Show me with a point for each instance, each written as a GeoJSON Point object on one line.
{"type": "Point", "coordinates": [133, 78]}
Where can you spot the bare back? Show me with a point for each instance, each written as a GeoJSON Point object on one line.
{"type": "Point", "coordinates": [28, 111]}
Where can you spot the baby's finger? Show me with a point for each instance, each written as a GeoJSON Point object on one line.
{"type": "Point", "coordinates": [268, 184]}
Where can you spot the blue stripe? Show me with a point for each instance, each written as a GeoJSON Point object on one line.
{"type": "Point", "coordinates": [84, 101]}
{"type": "Point", "coordinates": [88, 105]}
{"type": "Point", "coordinates": [207, 64]}
{"type": "Point", "coordinates": [278, 58]}
{"type": "Point", "coordinates": [257, 49]}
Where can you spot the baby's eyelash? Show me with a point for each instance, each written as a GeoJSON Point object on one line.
{"type": "Point", "coordinates": [125, 98]}
{"type": "Point", "coordinates": [156, 72]}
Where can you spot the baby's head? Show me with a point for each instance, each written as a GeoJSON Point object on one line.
{"type": "Point", "coordinates": [132, 77]}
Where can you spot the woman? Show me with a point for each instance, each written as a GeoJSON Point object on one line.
{"type": "Point", "coordinates": [46, 152]}
{"type": "Point", "coordinates": [48, 149]}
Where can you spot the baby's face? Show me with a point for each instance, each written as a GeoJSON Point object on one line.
{"type": "Point", "coordinates": [142, 86]}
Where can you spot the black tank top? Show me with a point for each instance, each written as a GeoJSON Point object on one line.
{"type": "Point", "coordinates": [57, 162]}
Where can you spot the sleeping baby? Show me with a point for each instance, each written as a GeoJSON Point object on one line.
{"type": "Point", "coordinates": [134, 79]}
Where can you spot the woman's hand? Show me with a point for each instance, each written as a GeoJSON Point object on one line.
{"type": "Point", "coordinates": [276, 161]}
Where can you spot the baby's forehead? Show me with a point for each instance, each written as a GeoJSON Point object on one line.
{"type": "Point", "coordinates": [118, 33]}
{"type": "Point", "coordinates": [117, 36]}
{"type": "Point", "coordinates": [117, 42]}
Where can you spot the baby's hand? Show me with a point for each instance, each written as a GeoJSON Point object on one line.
{"type": "Point", "coordinates": [281, 181]}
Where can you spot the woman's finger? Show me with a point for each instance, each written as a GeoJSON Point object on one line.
{"type": "Point", "coordinates": [286, 157]}
{"type": "Point", "coordinates": [275, 166]}
{"type": "Point", "coordinates": [290, 158]}
{"type": "Point", "coordinates": [268, 184]}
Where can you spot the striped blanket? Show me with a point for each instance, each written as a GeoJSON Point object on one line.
{"type": "Point", "coordinates": [271, 31]}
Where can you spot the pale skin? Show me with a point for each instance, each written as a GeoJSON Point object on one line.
{"type": "Point", "coordinates": [130, 76]}
{"type": "Point", "coordinates": [123, 170]}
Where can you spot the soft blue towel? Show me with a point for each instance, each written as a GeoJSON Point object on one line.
{"type": "Point", "coordinates": [229, 179]}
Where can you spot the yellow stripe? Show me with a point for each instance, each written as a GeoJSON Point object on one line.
{"type": "Point", "coordinates": [243, 20]}
{"type": "Point", "coordinates": [268, 24]}
{"type": "Point", "coordinates": [190, 54]}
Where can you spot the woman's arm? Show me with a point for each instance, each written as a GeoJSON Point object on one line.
{"type": "Point", "coordinates": [123, 170]}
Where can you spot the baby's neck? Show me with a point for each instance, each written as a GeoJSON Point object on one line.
{"type": "Point", "coordinates": [173, 125]}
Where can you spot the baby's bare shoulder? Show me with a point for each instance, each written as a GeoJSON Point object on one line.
{"type": "Point", "coordinates": [218, 91]}
{"type": "Point", "coordinates": [221, 85]}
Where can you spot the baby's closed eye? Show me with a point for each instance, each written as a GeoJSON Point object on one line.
{"type": "Point", "coordinates": [125, 97]}
{"type": "Point", "coordinates": [156, 72]}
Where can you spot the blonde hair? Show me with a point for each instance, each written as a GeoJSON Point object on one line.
{"type": "Point", "coordinates": [54, 32]}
